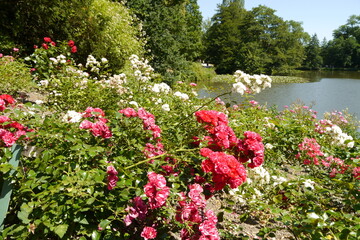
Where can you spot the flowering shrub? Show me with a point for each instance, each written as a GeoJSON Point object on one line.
{"type": "Point", "coordinates": [49, 59]}
{"type": "Point", "coordinates": [148, 161]}
{"type": "Point", "coordinates": [246, 83]}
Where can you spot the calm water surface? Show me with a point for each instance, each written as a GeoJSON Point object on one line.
{"type": "Point", "coordinates": [326, 92]}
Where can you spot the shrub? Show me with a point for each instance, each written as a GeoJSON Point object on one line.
{"type": "Point", "coordinates": [15, 77]}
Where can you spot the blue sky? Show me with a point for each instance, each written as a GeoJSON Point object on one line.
{"type": "Point", "coordinates": [317, 16]}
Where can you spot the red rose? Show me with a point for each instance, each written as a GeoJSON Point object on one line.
{"type": "Point", "coordinates": [47, 39]}
{"type": "Point", "coordinates": [53, 43]}
{"type": "Point", "coordinates": [73, 49]}
{"type": "Point", "coordinates": [71, 43]}
{"type": "Point", "coordinates": [7, 98]}
{"type": "Point", "coordinates": [45, 46]}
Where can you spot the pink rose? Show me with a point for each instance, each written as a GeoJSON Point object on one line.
{"type": "Point", "coordinates": [148, 233]}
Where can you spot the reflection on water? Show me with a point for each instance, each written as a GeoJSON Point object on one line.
{"type": "Point", "coordinates": [326, 92]}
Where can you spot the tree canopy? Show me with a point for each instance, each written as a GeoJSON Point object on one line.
{"type": "Point", "coordinates": [173, 31]}
{"type": "Point", "coordinates": [256, 41]}
{"type": "Point", "coordinates": [344, 50]}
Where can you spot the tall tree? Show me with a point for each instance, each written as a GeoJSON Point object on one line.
{"type": "Point", "coordinates": [223, 38]}
{"type": "Point", "coordinates": [344, 49]}
{"type": "Point", "coordinates": [255, 41]}
{"type": "Point", "coordinates": [313, 59]}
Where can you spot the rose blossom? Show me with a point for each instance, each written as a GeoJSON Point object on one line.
{"type": "Point", "coordinates": [148, 233]}
{"type": "Point", "coordinates": [156, 190]}
{"type": "Point", "coordinates": [47, 39]}
{"type": "Point", "coordinates": [112, 178]}
{"type": "Point", "coordinates": [71, 43]}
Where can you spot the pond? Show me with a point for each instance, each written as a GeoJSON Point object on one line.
{"type": "Point", "coordinates": [326, 92]}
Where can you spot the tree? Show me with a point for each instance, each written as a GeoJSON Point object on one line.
{"type": "Point", "coordinates": [173, 31]}
{"type": "Point", "coordinates": [313, 59]}
{"type": "Point", "coordinates": [223, 38]}
{"type": "Point", "coordinates": [344, 50]}
{"type": "Point", "coordinates": [255, 41]}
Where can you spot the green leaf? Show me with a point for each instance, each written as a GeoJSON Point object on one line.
{"type": "Point", "coordinates": [60, 230]}
{"type": "Point", "coordinates": [104, 223]}
{"type": "Point", "coordinates": [5, 167]}
{"type": "Point", "coordinates": [23, 215]}
{"type": "Point", "coordinates": [95, 235]}
{"type": "Point", "coordinates": [90, 201]}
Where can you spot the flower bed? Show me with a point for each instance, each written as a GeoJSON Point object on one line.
{"type": "Point", "coordinates": [129, 157]}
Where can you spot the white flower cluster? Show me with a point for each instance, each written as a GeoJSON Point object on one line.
{"type": "Point", "coordinates": [183, 96]}
{"type": "Point", "coordinates": [339, 137]}
{"type": "Point", "coordinates": [236, 195]}
{"type": "Point", "coordinates": [142, 70]}
{"type": "Point", "coordinates": [268, 124]}
{"type": "Point", "coordinates": [165, 107]}
{"type": "Point", "coordinates": [260, 175]}
{"type": "Point", "coordinates": [93, 64]}
{"type": "Point", "coordinates": [72, 117]}
{"type": "Point", "coordinates": [250, 83]}
{"type": "Point", "coordinates": [61, 59]}
{"type": "Point", "coordinates": [278, 180]}
{"type": "Point", "coordinates": [116, 81]}
{"type": "Point", "coordinates": [309, 184]}
{"type": "Point", "coordinates": [161, 87]}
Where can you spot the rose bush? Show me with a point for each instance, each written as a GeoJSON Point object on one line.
{"type": "Point", "coordinates": [111, 162]}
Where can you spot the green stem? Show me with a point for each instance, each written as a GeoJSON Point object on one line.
{"type": "Point", "coordinates": [186, 150]}
{"type": "Point", "coordinates": [144, 161]}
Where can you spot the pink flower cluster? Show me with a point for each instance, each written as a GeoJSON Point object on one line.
{"type": "Point", "coordinates": [250, 149]}
{"type": "Point", "coordinates": [99, 127]}
{"type": "Point", "coordinates": [157, 193]}
{"type": "Point", "coordinates": [322, 125]}
{"type": "Point", "coordinates": [338, 166]}
{"type": "Point", "coordinates": [138, 211]}
{"type": "Point", "coordinates": [148, 124]}
{"type": "Point", "coordinates": [225, 169]}
{"type": "Point", "coordinates": [356, 173]}
{"type": "Point", "coordinates": [112, 177]}
{"type": "Point", "coordinates": [10, 131]}
{"type": "Point", "coordinates": [156, 190]}
{"type": "Point", "coordinates": [310, 151]}
{"type": "Point", "coordinates": [216, 123]}
{"type": "Point", "coordinates": [192, 212]}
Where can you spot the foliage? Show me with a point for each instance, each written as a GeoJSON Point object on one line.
{"type": "Point", "coordinates": [173, 31]}
{"type": "Point", "coordinates": [255, 41]}
{"type": "Point", "coordinates": [343, 50]}
{"type": "Point", "coordinates": [149, 162]}
{"type": "Point", "coordinates": [313, 58]}
{"type": "Point", "coordinates": [15, 76]}
{"type": "Point", "coordinates": [100, 27]}
{"type": "Point", "coordinates": [196, 72]}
